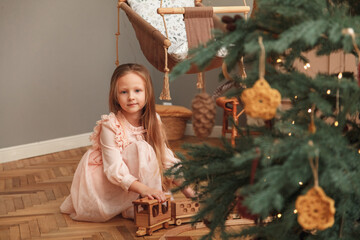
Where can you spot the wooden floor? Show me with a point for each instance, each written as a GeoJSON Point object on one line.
{"type": "Point", "coordinates": [31, 191]}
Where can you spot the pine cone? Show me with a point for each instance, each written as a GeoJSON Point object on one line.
{"type": "Point", "coordinates": [203, 107]}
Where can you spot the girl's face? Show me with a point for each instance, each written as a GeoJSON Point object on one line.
{"type": "Point", "coordinates": [131, 95]}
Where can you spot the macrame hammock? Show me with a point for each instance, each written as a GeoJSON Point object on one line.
{"type": "Point", "coordinates": [199, 22]}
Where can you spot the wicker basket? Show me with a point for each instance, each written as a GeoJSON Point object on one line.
{"type": "Point", "coordinates": [174, 120]}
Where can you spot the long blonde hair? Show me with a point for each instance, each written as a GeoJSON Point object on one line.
{"type": "Point", "coordinates": [155, 134]}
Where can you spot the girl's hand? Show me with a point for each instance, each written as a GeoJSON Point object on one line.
{"type": "Point", "coordinates": [153, 193]}
{"type": "Point", "coordinates": [146, 191]}
{"type": "Point", "coordinates": [189, 192]}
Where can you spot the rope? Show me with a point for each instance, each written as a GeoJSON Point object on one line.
{"type": "Point", "coordinates": [165, 94]}
{"type": "Point", "coordinates": [338, 97]}
{"type": "Point", "coordinates": [163, 17]}
{"type": "Point", "coordinates": [200, 81]}
{"type": "Point", "coordinates": [262, 59]}
{"type": "Point", "coordinates": [312, 127]}
{"type": "Point", "coordinates": [242, 68]}
{"type": "Point", "coordinates": [225, 72]}
{"type": "Point", "coordinates": [314, 164]}
{"type": "Point", "coordinates": [117, 37]}
{"type": "Point", "coordinates": [245, 14]}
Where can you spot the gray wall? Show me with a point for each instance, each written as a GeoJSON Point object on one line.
{"type": "Point", "coordinates": [56, 60]}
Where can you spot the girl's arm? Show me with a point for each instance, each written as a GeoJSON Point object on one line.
{"type": "Point", "coordinates": [146, 191]}
{"type": "Point", "coordinates": [115, 169]}
{"type": "Point", "coordinates": [188, 191]}
{"type": "Point", "coordinates": [170, 161]}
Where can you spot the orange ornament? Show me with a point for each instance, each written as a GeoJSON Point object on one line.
{"type": "Point", "coordinates": [315, 210]}
{"type": "Point", "coordinates": [261, 101]}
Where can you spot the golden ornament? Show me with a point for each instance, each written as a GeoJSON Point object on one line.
{"type": "Point", "coordinates": [315, 210]}
{"type": "Point", "coordinates": [261, 101]}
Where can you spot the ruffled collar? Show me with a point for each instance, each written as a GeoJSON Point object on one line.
{"type": "Point", "coordinates": [123, 121]}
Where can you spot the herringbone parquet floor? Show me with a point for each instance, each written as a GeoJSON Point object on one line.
{"type": "Point", "coordinates": [31, 191]}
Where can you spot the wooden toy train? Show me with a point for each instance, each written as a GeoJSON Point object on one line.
{"type": "Point", "coordinates": [150, 215]}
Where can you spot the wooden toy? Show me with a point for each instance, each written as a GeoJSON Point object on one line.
{"type": "Point", "coordinates": [150, 215]}
{"type": "Point", "coordinates": [182, 211]}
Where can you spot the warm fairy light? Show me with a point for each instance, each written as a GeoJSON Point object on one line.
{"type": "Point", "coordinates": [301, 183]}
{"type": "Point", "coordinates": [295, 211]}
{"type": "Point", "coordinates": [279, 215]}
{"type": "Point", "coordinates": [328, 91]}
{"type": "Point", "coordinates": [359, 151]}
{"type": "Point", "coordinates": [306, 66]}
{"type": "Point", "coordinates": [340, 76]}
{"type": "Point", "coordinates": [309, 110]}
{"type": "Point", "coordinates": [278, 60]}
{"type": "Point", "coordinates": [336, 123]}
{"type": "Point", "coordinates": [268, 157]}
{"type": "Point", "coordinates": [295, 97]}
{"type": "Point", "coordinates": [290, 134]}
{"type": "Point", "coordinates": [293, 122]}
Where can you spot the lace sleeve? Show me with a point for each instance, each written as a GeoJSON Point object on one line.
{"type": "Point", "coordinates": [112, 123]}
{"type": "Point", "coordinates": [112, 142]}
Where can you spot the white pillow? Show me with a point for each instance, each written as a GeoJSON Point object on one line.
{"type": "Point", "coordinates": [147, 9]}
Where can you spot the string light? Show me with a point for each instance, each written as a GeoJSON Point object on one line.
{"type": "Point", "coordinates": [309, 110]}
{"type": "Point", "coordinates": [296, 97]}
{"type": "Point", "coordinates": [340, 75]}
{"type": "Point", "coordinates": [268, 157]}
{"type": "Point", "coordinates": [306, 66]}
{"type": "Point", "coordinates": [336, 123]}
{"type": "Point", "coordinates": [279, 215]}
{"type": "Point", "coordinates": [295, 211]}
{"type": "Point", "coordinates": [278, 60]}
{"type": "Point", "coordinates": [290, 134]}
{"type": "Point", "coordinates": [328, 92]}
{"type": "Point", "coordinates": [359, 151]}
{"type": "Point", "coordinates": [293, 122]}
{"type": "Point", "coordinates": [301, 183]}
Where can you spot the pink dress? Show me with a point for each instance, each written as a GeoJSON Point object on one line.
{"type": "Point", "coordinates": [119, 156]}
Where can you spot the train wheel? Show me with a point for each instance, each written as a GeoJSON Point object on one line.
{"type": "Point", "coordinates": [178, 222]}
{"type": "Point", "coordinates": [166, 225]}
{"type": "Point", "coordinates": [141, 231]}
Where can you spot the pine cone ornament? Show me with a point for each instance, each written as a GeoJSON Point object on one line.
{"type": "Point", "coordinates": [203, 107]}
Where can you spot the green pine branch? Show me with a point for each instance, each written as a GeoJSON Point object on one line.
{"type": "Point", "coordinates": [221, 174]}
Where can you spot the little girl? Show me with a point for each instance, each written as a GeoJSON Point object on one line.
{"type": "Point", "coordinates": [128, 154]}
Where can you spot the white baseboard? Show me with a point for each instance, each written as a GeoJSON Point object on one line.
{"type": "Point", "coordinates": [216, 132]}
{"type": "Point", "coordinates": [44, 147]}
{"type": "Point", "coordinates": [61, 144]}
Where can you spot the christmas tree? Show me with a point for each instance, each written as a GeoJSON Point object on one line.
{"type": "Point", "coordinates": [300, 178]}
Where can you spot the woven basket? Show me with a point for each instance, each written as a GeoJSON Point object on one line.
{"type": "Point", "coordinates": [174, 120]}
{"type": "Point", "coordinates": [174, 127]}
